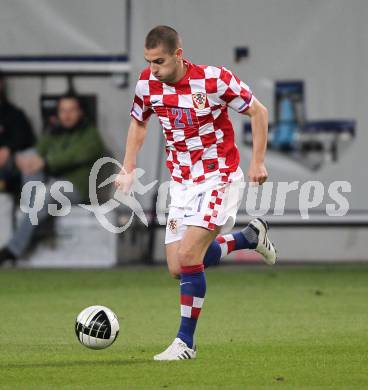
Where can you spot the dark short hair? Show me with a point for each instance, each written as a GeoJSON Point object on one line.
{"type": "Point", "coordinates": [71, 96]}
{"type": "Point", "coordinates": [165, 36]}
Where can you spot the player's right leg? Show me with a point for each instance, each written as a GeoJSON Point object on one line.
{"type": "Point", "coordinates": [172, 258]}
{"type": "Point", "coordinates": [190, 253]}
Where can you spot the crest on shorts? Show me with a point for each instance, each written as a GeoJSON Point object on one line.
{"type": "Point", "coordinates": [199, 100]}
{"type": "Point", "coordinates": [173, 226]}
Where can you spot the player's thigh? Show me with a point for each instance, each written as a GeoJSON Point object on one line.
{"type": "Point", "coordinates": [173, 263]}
{"type": "Point", "coordinates": [194, 244]}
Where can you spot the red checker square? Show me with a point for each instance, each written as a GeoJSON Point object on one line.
{"type": "Point", "coordinates": [170, 165]}
{"type": "Point", "coordinates": [175, 157]}
{"type": "Point", "coordinates": [220, 239]}
{"type": "Point", "coordinates": [197, 73]}
{"type": "Point", "coordinates": [231, 245]}
{"type": "Point", "coordinates": [215, 213]}
{"type": "Point", "coordinates": [186, 300]}
{"type": "Point", "coordinates": [199, 179]}
{"type": "Point", "coordinates": [211, 205]}
{"type": "Point", "coordinates": [211, 85]}
{"type": "Point", "coordinates": [146, 100]}
{"type": "Point", "coordinates": [228, 96]}
{"type": "Point", "coordinates": [155, 87]}
{"type": "Point", "coordinates": [177, 179]}
{"type": "Point", "coordinates": [218, 201]}
{"type": "Point", "coordinates": [145, 75]}
{"type": "Point", "coordinates": [246, 95]}
{"type": "Point", "coordinates": [195, 155]}
{"type": "Point", "coordinates": [195, 312]}
{"type": "Point", "coordinates": [183, 89]}
{"type": "Point", "coordinates": [207, 218]}
{"type": "Point", "coordinates": [181, 146]}
{"type": "Point", "coordinates": [226, 76]}
{"type": "Point", "coordinates": [208, 139]}
{"type": "Point", "coordinates": [211, 226]}
{"type": "Point", "coordinates": [171, 100]}
{"type": "Point", "coordinates": [185, 172]}
{"type": "Point", "coordinates": [138, 100]}
{"type": "Point", "coordinates": [169, 135]}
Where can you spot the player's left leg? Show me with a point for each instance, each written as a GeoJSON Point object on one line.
{"type": "Point", "coordinates": [253, 236]}
{"type": "Point", "coordinates": [222, 208]}
{"type": "Point", "coordinates": [191, 251]}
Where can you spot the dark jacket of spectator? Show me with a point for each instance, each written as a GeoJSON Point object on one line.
{"type": "Point", "coordinates": [15, 129]}
{"type": "Point", "coordinates": [70, 153]}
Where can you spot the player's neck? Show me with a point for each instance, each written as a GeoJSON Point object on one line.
{"type": "Point", "coordinates": [181, 72]}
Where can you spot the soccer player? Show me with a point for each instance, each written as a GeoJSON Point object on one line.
{"type": "Point", "coordinates": [191, 102]}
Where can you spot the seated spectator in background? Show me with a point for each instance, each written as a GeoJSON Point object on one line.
{"type": "Point", "coordinates": [15, 135]}
{"type": "Point", "coordinates": [66, 152]}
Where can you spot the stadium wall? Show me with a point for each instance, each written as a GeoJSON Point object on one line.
{"type": "Point", "coordinates": [320, 42]}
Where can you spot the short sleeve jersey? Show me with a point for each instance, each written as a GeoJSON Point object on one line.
{"type": "Point", "coordinates": [193, 113]}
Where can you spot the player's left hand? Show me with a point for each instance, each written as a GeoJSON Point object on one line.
{"type": "Point", "coordinates": [257, 173]}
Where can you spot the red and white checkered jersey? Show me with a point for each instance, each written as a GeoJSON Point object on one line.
{"type": "Point", "coordinates": [194, 118]}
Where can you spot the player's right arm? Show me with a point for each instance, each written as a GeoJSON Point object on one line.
{"type": "Point", "coordinates": [136, 136]}
{"type": "Point", "coordinates": [140, 114]}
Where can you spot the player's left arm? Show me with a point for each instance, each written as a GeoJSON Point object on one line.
{"type": "Point", "coordinates": [257, 172]}
{"type": "Point", "coordinates": [238, 96]}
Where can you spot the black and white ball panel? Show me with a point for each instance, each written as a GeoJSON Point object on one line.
{"type": "Point", "coordinates": [97, 327]}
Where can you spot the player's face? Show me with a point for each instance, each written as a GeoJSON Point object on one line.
{"type": "Point", "coordinates": [69, 112]}
{"type": "Point", "coordinates": [164, 66]}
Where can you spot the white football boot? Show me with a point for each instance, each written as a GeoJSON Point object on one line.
{"type": "Point", "coordinates": [265, 247]}
{"type": "Point", "coordinates": [178, 350]}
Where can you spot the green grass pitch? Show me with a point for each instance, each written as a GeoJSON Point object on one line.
{"type": "Point", "coordinates": [260, 328]}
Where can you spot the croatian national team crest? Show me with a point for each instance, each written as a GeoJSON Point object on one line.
{"type": "Point", "coordinates": [173, 226]}
{"type": "Point", "coordinates": [199, 100]}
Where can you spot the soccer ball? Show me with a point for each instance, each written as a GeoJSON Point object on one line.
{"type": "Point", "coordinates": [97, 327]}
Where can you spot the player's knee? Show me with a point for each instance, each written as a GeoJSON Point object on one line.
{"type": "Point", "coordinates": [185, 256]}
{"type": "Point", "coordinates": [174, 271]}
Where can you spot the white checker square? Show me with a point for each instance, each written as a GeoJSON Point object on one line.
{"type": "Point", "coordinates": [184, 158]}
{"type": "Point", "coordinates": [178, 135]}
{"type": "Point", "coordinates": [185, 101]}
{"type": "Point", "coordinates": [212, 72]}
{"type": "Point", "coordinates": [197, 85]}
{"type": "Point", "coordinates": [186, 311]}
{"type": "Point", "coordinates": [216, 113]}
{"type": "Point", "coordinates": [210, 153]}
{"type": "Point", "coordinates": [194, 143]}
{"type": "Point", "coordinates": [169, 90]}
{"type": "Point", "coordinates": [198, 302]}
{"type": "Point", "coordinates": [143, 87]}
{"type": "Point", "coordinates": [206, 129]}
{"type": "Point", "coordinates": [234, 86]}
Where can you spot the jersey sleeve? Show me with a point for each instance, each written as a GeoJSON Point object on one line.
{"type": "Point", "coordinates": [139, 110]}
{"type": "Point", "coordinates": [234, 92]}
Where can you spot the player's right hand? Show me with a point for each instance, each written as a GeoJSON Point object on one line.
{"type": "Point", "coordinates": [124, 181]}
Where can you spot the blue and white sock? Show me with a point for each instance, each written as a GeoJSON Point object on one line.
{"type": "Point", "coordinates": [223, 245]}
{"type": "Point", "coordinates": [192, 292]}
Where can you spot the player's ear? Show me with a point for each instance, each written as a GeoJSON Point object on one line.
{"type": "Point", "coordinates": [179, 53]}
